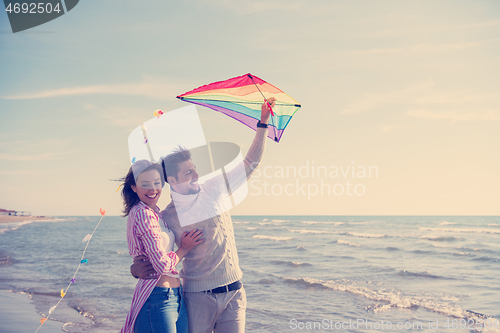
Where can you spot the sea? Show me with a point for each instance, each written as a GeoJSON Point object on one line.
{"type": "Point", "coordinates": [301, 273]}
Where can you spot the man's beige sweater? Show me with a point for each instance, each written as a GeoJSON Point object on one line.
{"type": "Point", "coordinates": [214, 262]}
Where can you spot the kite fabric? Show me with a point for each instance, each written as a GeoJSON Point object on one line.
{"type": "Point", "coordinates": [241, 98]}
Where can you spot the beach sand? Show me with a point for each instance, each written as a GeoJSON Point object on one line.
{"type": "Point", "coordinates": [18, 315]}
{"type": "Point", "coordinates": [8, 218]}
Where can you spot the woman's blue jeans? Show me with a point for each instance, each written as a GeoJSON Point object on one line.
{"type": "Point", "coordinates": [163, 312]}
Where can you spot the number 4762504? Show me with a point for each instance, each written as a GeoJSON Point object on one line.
{"type": "Point", "coordinates": [32, 8]}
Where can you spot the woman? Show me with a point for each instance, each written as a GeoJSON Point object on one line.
{"type": "Point", "coordinates": [157, 304]}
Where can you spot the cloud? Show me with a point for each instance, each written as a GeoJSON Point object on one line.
{"type": "Point", "coordinates": [123, 117]}
{"type": "Point", "coordinates": [23, 144]}
{"type": "Point", "coordinates": [419, 48]}
{"type": "Point", "coordinates": [51, 142]}
{"type": "Point", "coordinates": [423, 97]}
{"type": "Point", "coordinates": [244, 7]}
{"type": "Point", "coordinates": [156, 90]}
{"type": "Point", "coordinates": [372, 101]}
{"type": "Point", "coordinates": [409, 29]}
{"type": "Point", "coordinates": [17, 172]}
{"type": "Point", "coordinates": [455, 116]}
{"type": "Point", "coordinates": [10, 143]}
{"type": "Point", "coordinates": [387, 128]}
{"type": "Point", "coordinates": [34, 157]}
{"type": "Point", "coordinates": [443, 47]}
{"type": "Point", "coordinates": [458, 98]}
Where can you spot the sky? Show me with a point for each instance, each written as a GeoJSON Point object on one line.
{"type": "Point", "coordinates": [400, 101]}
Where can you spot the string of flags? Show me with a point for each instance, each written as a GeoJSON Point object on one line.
{"type": "Point", "coordinates": [83, 260]}
{"type": "Point", "coordinates": [158, 113]}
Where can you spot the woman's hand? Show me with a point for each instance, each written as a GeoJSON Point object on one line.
{"type": "Point", "coordinates": [188, 241]}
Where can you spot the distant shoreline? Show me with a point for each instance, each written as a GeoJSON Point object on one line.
{"type": "Point", "coordinates": [10, 218]}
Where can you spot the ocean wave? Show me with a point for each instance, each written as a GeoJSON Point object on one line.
{"type": "Point", "coordinates": [463, 230]}
{"type": "Point", "coordinates": [33, 293]}
{"type": "Point", "coordinates": [77, 317]}
{"type": "Point", "coordinates": [6, 258]}
{"type": "Point", "coordinates": [238, 222]}
{"type": "Point", "coordinates": [317, 222]}
{"type": "Point", "coordinates": [364, 222]}
{"type": "Point", "coordinates": [84, 313]}
{"type": "Point", "coordinates": [391, 298]}
{"type": "Point", "coordinates": [274, 238]}
{"type": "Point", "coordinates": [493, 225]}
{"type": "Point", "coordinates": [423, 252]}
{"type": "Point", "coordinates": [280, 220]}
{"type": "Point", "coordinates": [485, 259]}
{"type": "Point", "coordinates": [301, 248]}
{"type": "Point", "coordinates": [447, 223]}
{"type": "Point", "coordinates": [401, 235]}
{"type": "Point", "coordinates": [290, 263]}
{"type": "Point", "coordinates": [441, 238]}
{"type": "Point", "coordinates": [365, 235]}
{"type": "Point", "coordinates": [467, 319]}
{"type": "Point", "coordinates": [425, 275]}
{"type": "Point", "coordinates": [457, 247]}
{"type": "Point", "coordinates": [340, 241]}
{"type": "Point", "coordinates": [305, 282]}
{"type": "Point", "coordinates": [304, 231]}
{"type": "Point", "coordinates": [11, 226]}
{"type": "Point", "coordinates": [251, 228]}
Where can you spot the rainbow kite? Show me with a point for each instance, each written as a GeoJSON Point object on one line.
{"type": "Point", "coordinates": [241, 98]}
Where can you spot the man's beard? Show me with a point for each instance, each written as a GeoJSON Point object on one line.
{"type": "Point", "coordinates": [195, 191]}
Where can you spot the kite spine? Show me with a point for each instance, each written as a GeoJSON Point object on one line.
{"type": "Point", "coordinates": [272, 119]}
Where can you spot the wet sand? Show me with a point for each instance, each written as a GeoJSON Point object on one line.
{"type": "Point", "coordinates": [18, 315]}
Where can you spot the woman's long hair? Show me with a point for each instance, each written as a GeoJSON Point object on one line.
{"type": "Point", "coordinates": [130, 198]}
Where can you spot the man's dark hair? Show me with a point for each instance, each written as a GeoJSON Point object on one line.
{"type": "Point", "coordinates": [171, 162]}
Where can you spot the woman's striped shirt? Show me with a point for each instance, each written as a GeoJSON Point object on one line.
{"type": "Point", "coordinates": [143, 237]}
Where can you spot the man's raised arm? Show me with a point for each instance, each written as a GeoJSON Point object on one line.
{"type": "Point", "coordinates": [256, 151]}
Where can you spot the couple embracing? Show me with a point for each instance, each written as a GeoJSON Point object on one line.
{"type": "Point", "coordinates": [211, 297]}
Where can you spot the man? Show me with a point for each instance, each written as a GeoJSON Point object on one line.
{"type": "Point", "coordinates": [214, 296]}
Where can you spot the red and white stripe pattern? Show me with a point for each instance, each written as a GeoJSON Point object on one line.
{"type": "Point", "coordinates": [143, 236]}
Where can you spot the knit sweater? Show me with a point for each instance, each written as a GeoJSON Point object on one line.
{"type": "Point", "coordinates": [214, 262]}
